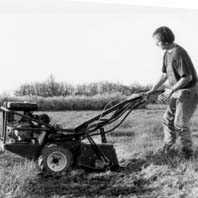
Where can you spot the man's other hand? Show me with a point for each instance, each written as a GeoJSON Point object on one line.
{"type": "Point", "coordinates": [165, 95]}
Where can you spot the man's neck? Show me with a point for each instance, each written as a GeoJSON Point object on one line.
{"type": "Point", "coordinates": [171, 47]}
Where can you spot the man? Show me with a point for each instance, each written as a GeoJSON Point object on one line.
{"type": "Point", "coordinates": [182, 93]}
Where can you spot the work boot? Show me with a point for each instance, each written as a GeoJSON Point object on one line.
{"type": "Point", "coordinates": [166, 149]}
{"type": "Point", "coordinates": [187, 153]}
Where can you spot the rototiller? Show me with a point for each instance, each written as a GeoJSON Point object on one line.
{"type": "Point", "coordinates": [59, 149]}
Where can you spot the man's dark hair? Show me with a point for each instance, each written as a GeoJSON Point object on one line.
{"type": "Point", "coordinates": [166, 35]}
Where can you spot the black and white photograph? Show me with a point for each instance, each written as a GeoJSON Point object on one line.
{"type": "Point", "coordinates": [98, 99]}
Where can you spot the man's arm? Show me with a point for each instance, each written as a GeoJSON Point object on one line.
{"type": "Point", "coordinates": [182, 82]}
{"type": "Point", "coordinates": [158, 84]}
{"type": "Point", "coordinates": [179, 85]}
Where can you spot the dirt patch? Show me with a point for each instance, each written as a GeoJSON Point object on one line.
{"type": "Point", "coordinates": [126, 182]}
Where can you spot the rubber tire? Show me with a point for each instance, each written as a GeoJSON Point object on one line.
{"type": "Point", "coordinates": [54, 150]}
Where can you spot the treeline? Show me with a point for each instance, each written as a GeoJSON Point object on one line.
{"type": "Point", "coordinates": [51, 88]}
{"type": "Point", "coordinates": [61, 96]}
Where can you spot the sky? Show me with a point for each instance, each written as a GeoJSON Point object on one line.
{"type": "Point", "coordinates": [89, 41]}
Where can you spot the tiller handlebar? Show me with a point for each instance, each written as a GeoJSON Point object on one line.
{"type": "Point", "coordinates": [119, 112]}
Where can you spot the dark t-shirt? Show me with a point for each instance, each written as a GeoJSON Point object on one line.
{"type": "Point", "coordinates": [177, 64]}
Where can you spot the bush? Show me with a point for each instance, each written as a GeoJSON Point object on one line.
{"type": "Point", "coordinates": [61, 103]}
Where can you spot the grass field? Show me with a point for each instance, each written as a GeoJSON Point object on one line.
{"type": "Point", "coordinates": [145, 172]}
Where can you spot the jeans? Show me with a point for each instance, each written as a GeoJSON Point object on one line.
{"type": "Point", "coordinates": [176, 119]}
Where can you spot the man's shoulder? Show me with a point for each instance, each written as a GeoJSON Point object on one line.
{"type": "Point", "coordinates": [179, 50]}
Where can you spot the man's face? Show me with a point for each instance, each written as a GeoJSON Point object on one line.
{"type": "Point", "coordinates": [159, 43]}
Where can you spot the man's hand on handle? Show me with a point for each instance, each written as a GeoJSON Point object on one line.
{"type": "Point", "coordinates": [165, 95]}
